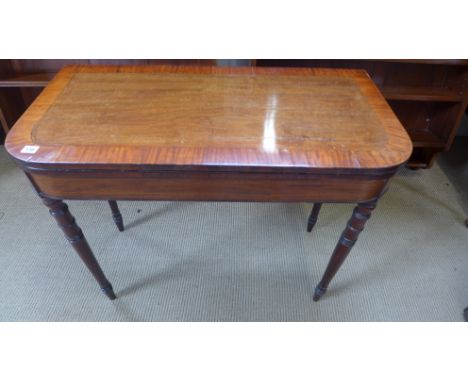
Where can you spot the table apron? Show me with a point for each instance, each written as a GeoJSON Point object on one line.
{"type": "Point", "coordinates": [208, 186]}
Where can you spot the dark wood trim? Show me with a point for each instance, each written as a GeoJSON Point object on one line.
{"type": "Point", "coordinates": [101, 169]}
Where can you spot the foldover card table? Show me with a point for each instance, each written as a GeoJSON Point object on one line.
{"type": "Point", "coordinates": [209, 134]}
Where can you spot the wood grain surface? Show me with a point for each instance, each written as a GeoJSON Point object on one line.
{"type": "Point", "coordinates": [208, 186]}
{"type": "Point", "coordinates": [203, 117]}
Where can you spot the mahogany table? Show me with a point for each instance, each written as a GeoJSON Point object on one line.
{"type": "Point", "coordinates": [209, 134]}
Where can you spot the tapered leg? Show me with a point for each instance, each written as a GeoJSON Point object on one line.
{"type": "Point", "coordinates": [59, 210]}
{"type": "Point", "coordinates": [313, 216]}
{"type": "Point", "coordinates": [116, 215]}
{"type": "Point", "coordinates": [355, 225]}
{"type": "Point", "coordinates": [3, 122]}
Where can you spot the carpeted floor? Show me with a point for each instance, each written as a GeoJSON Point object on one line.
{"type": "Point", "coordinates": [237, 261]}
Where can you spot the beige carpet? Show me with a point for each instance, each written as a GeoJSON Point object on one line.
{"type": "Point", "coordinates": [236, 261]}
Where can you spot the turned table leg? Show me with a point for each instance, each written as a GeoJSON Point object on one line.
{"type": "Point", "coordinates": [3, 122]}
{"type": "Point", "coordinates": [59, 210]}
{"type": "Point", "coordinates": [355, 225]}
{"type": "Point", "coordinates": [313, 216]}
{"type": "Point", "coordinates": [116, 215]}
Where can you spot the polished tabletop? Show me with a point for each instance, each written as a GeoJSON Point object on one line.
{"type": "Point", "coordinates": [210, 116]}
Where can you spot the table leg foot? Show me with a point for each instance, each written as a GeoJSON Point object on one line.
{"type": "Point", "coordinates": [59, 210]}
{"type": "Point", "coordinates": [313, 216]}
{"type": "Point", "coordinates": [116, 215]}
{"type": "Point", "coordinates": [109, 292]}
{"type": "Point", "coordinates": [361, 214]}
{"type": "Point", "coordinates": [319, 292]}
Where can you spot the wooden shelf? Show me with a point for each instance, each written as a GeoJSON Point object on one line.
{"type": "Point", "coordinates": [425, 138]}
{"type": "Point", "coordinates": [460, 62]}
{"type": "Point", "coordinates": [29, 80]}
{"type": "Point", "coordinates": [422, 157]}
{"type": "Point", "coordinates": [415, 93]}
{"type": "Point", "coordinates": [416, 165]}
